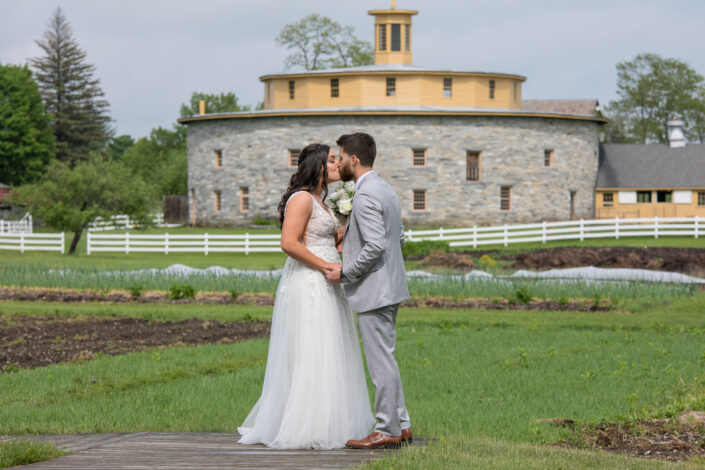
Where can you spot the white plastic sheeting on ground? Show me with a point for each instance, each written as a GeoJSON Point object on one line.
{"type": "Point", "coordinates": [589, 273]}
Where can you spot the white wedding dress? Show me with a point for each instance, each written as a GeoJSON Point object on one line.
{"type": "Point", "coordinates": [314, 393]}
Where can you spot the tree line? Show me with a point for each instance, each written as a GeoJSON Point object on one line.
{"type": "Point", "coordinates": [67, 166]}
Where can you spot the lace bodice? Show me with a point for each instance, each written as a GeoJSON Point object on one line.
{"type": "Point", "coordinates": [320, 230]}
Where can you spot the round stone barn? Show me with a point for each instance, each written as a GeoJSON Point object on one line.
{"type": "Point", "coordinates": [461, 148]}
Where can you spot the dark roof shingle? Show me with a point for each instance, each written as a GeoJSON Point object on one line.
{"type": "Point", "coordinates": [588, 106]}
{"type": "Point", "coordinates": [651, 166]}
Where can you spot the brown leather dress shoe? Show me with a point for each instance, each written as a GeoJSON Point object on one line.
{"type": "Point", "coordinates": [375, 440]}
{"type": "Point", "coordinates": [406, 436]}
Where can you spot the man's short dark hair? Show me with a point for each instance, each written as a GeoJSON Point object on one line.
{"type": "Point", "coordinates": [361, 145]}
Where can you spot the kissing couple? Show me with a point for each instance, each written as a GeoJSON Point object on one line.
{"type": "Point", "coordinates": [314, 394]}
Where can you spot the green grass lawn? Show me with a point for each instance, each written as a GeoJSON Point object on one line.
{"type": "Point", "coordinates": [477, 380]}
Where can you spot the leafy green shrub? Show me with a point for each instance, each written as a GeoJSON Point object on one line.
{"type": "Point", "coordinates": [136, 290]}
{"type": "Point", "coordinates": [524, 295]}
{"type": "Point", "coordinates": [234, 294]}
{"type": "Point", "coordinates": [422, 248]}
{"type": "Point", "coordinates": [258, 220]}
{"type": "Point", "coordinates": [181, 291]}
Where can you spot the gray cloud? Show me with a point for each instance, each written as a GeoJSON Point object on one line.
{"type": "Point", "coordinates": [150, 55]}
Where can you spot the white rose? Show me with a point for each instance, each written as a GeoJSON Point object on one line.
{"type": "Point", "coordinates": [345, 206]}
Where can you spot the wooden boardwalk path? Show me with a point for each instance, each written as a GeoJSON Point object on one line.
{"type": "Point", "coordinates": [181, 450]}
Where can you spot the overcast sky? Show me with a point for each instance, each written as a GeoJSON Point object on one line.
{"type": "Point", "coordinates": [152, 54]}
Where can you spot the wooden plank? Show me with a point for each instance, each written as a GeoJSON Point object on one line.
{"type": "Point", "coordinates": [171, 450]}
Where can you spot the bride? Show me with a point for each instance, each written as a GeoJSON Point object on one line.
{"type": "Point", "coordinates": [314, 393]}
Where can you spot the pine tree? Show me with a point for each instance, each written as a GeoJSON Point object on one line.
{"type": "Point", "coordinates": [71, 95]}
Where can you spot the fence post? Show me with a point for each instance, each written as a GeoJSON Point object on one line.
{"type": "Point", "coordinates": [63, 241]}
{"type": "Point", "coordinates": [616, 227]}
{"type": "Point", "coordinates": [582, 230]}
{"type": "Point", "coordinates": [21, 242]}
{"type": "Point", "coordinates": [2, 225]}
{"type": "Point", "coordinates": [205, 242]}
{"type": "Point", "coordinates": [247, 243]}
{"type": "Point", "coordinates": [543, 231]}
{"type": "Point", "coordinates": [474, 236]}
{"type": "Point", "coordinates": [440, 233]}
{"type": "Point", "coordinates": [696, 226]}
{"type": "Point", "coordinates": [656, 226]}
{"type": "Point", "coordinates": [127, 243]}
{"type": "Point", "coordinates": [166, 243]}
{"type": "Point", "coordinates": [31, 224]}
{"type": "Point", "coordinates": [409, 235]}
{"type": "Point", "coordinates": [506, 235]}
{"type": "Point", "coordinates": [88, 243]}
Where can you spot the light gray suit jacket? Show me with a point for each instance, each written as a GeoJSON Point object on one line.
{"type": "Point", "coordinates": [373, 267]}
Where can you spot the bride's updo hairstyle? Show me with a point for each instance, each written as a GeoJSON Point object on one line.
{"type": "Point", "coordinates": [308, 174]}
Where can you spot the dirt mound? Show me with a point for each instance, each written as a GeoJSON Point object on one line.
{"type": "Point", "coordinates": [449, 259]}
{"type": "Point", "coordinates": [35, 341]}
{"type": "Point", "coordinates": [683, 260]}
{"type": "Point", "coordinates": [661, 439]}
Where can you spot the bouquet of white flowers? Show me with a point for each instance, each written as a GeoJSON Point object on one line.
{"type": "Point", "coordinates": [340, 200]}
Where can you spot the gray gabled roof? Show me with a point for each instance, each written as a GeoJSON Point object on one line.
{"type": "Point", "coordinates": [4, 186]}
{"type": "Point", "coordinates": [651, 166]}
{"type": "Point", "coordinates": [585, 106]}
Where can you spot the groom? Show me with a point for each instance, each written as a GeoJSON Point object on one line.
{"type": "Point", "coordinates": [375, 283]}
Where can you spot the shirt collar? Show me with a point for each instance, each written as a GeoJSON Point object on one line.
{"type": "Point", "coordinates": [359, 180]}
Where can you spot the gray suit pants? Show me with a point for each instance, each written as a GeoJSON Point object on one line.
{"type": "Point", "coordinates": [377, 329]}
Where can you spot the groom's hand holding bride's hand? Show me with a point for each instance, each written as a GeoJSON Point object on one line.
{"type": "Point", "coordinates": [333, 272]}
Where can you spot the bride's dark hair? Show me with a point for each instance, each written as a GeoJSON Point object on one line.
{"type": "Point", "coordinates": [308, 174]}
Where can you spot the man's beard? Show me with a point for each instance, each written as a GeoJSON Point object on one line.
{"type": "Point", "coordinates": [346, 173]}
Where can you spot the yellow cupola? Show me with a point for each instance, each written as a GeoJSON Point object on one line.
{"type": "Point", "coordinates": [393, 35]}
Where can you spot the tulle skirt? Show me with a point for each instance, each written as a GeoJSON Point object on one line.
{"type": "Point", "coordinates": [314, 394]}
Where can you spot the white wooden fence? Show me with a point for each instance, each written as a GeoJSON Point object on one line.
{"type": "Point", "coordinates": [124, 222]}
{"type": "Point", "coordinates": [196, 243]}
{"type": "Point", "coordinates": [32, 242]}
{"type": "Point", "coordinates": [471, 236]}
{"type": "Point", "coordinates": [24, 225]}
{"type": "Point", "coordinates": [571, 230]}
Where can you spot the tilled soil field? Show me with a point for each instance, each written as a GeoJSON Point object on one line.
{"type": "Point", "coordinates": [683, 260]}
{"type": "Point", "coordinates": [35, 341]}
{"type": "Point", "coordinates": [661, 439]}
{"type": "Point", "coordinates": [72, 295]}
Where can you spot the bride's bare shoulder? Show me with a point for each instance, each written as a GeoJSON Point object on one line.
{"type": "Point", "coordinates": [299, 204]}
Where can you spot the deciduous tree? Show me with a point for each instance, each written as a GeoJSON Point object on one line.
{"type": "Point", "coordinates": [69, 199]}
{"type": "Point", "coordinates": [71, 94]}
{"type": "Point", "coordinates": [220, 103]}
{"type": "Point", "coordinates": [651, 89]}
{"type": "Point", "coordinates": [26, 141]}
{"type": "Point", "coordinates": [161, 160]}
{"type": "Point", "coordinates": [319, 42]}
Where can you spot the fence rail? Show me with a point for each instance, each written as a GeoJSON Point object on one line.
{"type": "Point", "coordinates": [197, 243]}
{"type": "Point", "coordinates": [24, 225]}
{"type": "Point", "coordinates": [471, 236]}
{"type": "Point", "coordinates": [571, 230]}
{"type": "Point", "coordinates": [32, 242]}
{"type": "Point", "coordinates": [124, 222]}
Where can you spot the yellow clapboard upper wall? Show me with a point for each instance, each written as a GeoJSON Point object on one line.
{"type": "Point", "coordinates": [393, 81]}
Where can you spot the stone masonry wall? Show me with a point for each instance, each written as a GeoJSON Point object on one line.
{"type": "Point", "coordinates": [255, 155]}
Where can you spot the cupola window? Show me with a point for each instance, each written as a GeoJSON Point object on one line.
{"type": "Point", "coordinates": [334, 88]}
{"type": "Point", "coordinates": [383, 37]}
{"type": "Point", "coordinates": [491, 89]}
{"type": "Point", "coordinates": [396, 37]}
